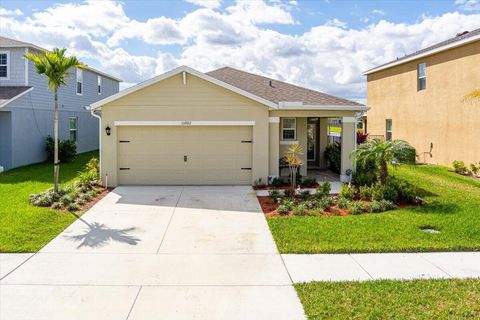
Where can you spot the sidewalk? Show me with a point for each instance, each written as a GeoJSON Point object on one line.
{"type": "Point", "coordinates": [376, 266]}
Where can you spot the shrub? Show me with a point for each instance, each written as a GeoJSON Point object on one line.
{"type": "Point", "coordinates": [325, 203]}
{"type": "Point", "coordinates": [365, 193]}
{"type": "Point", "coordinates": [323, 189]}
{"type": "Point", "coordinates": [85, 197]}
{"type": "Point", "coordinates": [67, 150]}
{"type": "Point", "coordinates": [379, 206]}
{"type": "Point", "coordinates": [316, 212]}
{"type": "Point", "coordinates": [44, 199]}
{"type": "Point", "coordinates": [56, 205]}
{"type": "Point", "coordinates": [361, 137]}
{"type": "Point", "coordinates": [299, 209]}
{"type": "Point", "coordinates": [289, 203]}
{"type": "Point", "coordinates": [290, 192]}
{"type": "Point", "coordinates": [308, 182]}
{"type": "Point", "coordinates": [274, 194]}
{"type": "Point", "coordinates": [283, 209]}
{"type": "Point", "coordinates": [347, 191]}
{"type": "Point", "coordinates": [72, 207]}
{"type": "Point", "coordinates": [343, 203]}
{"type": "Point", "coordinates": [66, 200]}
{"type": "Point", "coordinates": [384, 192]}
{"type": "Point", "coordinates": [277, 182]}
{"type": "Point", "coordinates": [475, 168]}
{"type": "Point", "coordinates": [355, 208]}
{"type": "Point", "coordinates": [459, 167]}
{"type": "Point", "coordinates": [406, 192]}
{"type": "Point", "coordinates": [333, 156]}
{"type": "Point", "coordinates": [305, 194]}
{"type": "Point", "coordinates": [364, 178]}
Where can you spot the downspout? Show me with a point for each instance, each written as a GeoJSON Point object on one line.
{"type": "Point", "coordinates": [92, 112]}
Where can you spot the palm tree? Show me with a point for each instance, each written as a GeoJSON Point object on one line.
{"type": "Point", "coordinates": [383, 153]}
{"type": "Point", "coordinates": [55, 66]}
{"type": "Point", "coordinates": [292, 158]}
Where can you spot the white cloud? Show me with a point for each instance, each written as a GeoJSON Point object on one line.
{"type": "Point", "coordinates": [6, 12]}
{"type": "Point", "coordinates": [469, 5]}
{"type": "Point", "coordinates": [328, 57]}
{"type": "Point", "coordinates": [378, 12]}
{"type": "Point", "coordinates": [211, 4]}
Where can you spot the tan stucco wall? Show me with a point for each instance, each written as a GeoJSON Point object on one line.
{"type": "Point", "coordinates": [436, 115]}
{"type": "Point", "coordinates": [171, 100]}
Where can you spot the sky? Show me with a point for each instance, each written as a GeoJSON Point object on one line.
{"type": "Point", "coordinates": [325, 45]}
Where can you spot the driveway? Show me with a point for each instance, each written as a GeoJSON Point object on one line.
{"type": "Point", "coordinates": [157, 253]}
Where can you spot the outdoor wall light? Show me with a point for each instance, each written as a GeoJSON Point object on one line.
{"type": "Point", "coordinates": [108, 130]}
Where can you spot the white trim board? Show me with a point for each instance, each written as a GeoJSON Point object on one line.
{"type": "Point", "coordinates": [174, 72]}
{"type": "Point", "coordinates": [184, 123]}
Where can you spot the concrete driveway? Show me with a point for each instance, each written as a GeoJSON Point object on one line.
{"type": "Point", "coordinates": [157, 253]}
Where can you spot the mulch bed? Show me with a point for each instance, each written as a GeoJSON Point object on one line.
{"type": "Point", "coordinates": [269, 208]}
{"type": "Point", "coordinates": [270, 187]}
{"type": "Point", "coordinates": [93, 201]}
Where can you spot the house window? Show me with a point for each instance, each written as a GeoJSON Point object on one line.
{"type": "Point", "coordinates": [388, 131]}
{"type": "Point", "coordinates": [72, 123]}
{"type": "Point", "coordinates": [4, 60]}
{"type": "Point", "coordinates": [289, 128]}
{"type": "Point", "coordinates": [79, 82]}
{"type": "Point", "coordinates": [422, 76]}
{"type": "Point", "coordinates": [99, 85]}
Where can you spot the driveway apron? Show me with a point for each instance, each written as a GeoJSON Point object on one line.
{"type": "Point", "coordinates": [157, 252]}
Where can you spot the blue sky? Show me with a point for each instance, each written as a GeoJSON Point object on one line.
{"type": "Point", "coordinates": [323, 44]}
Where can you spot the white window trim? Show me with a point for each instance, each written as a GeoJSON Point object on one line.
{"type": "Point", "coordinates": [76, 128]}
{"type": "Point", "coordinates": [294, 129]}
{"type": "Point", "coordinates": [8, 65]}
{"type": "Point", "coordinates": [76, 82]}
{"type": "Point", "coordinates": [421, 77]}
{"type": "Point", "coordinates": [99, 85]}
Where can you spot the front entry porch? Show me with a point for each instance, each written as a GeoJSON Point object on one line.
{"type": "Point", "coordinates": [313, 132]}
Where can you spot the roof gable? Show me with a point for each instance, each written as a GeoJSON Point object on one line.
{"type": "Point", "coordinates": [177, 71]}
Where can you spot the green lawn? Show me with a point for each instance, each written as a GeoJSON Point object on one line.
{"type": "Point", "coordinates": [25, 228]}
{"type": "Point", "coordinates": [453, 208]}
{"type": "Point", "coordinates": [387, 299]}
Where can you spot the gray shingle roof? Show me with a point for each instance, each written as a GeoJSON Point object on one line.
{"type": "Point", "coordinates": [9, 92]}
{"type": "Point", "coordinates": [274, 90]}
{"type": "Point", "coordinates": [7, 42]}
{"type": "Point", "coordinates": [459, 37]}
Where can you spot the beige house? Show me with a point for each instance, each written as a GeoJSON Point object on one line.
{"type": "Point", "coordinates": [222, 127]}
{"type": "Point", "coordinates": [420, 98]}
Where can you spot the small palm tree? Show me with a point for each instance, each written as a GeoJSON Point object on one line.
{"type": "Point", "coordinates": [292, 158]}
{"type": "Point", "coordinates": [55, 66]}
{"type": "Point", "coordinates": [383, 153]}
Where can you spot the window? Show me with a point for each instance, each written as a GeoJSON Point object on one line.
{"type": "Point", "coordinates": [388, 131]}
{"type": "Point", "coordinates": [4, 60]}
{"type": "Point", "coordinates": [72, 123]}
{"type": "Point", "coordinates": [422, 76]}
{"type": "Point", "coordinates": [79, 81]}
{"type": "Point", "coordinates": [289, 128]}
{"type": "Point", "coordinates": [99, 85]}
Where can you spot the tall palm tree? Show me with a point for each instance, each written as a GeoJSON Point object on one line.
{"type": "Point", "coordinates": [383, 153]}
{"type": "Point", "coordinates": [55, 66]}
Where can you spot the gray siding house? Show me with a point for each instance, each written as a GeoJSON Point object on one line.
{"type": "Point", "coordinates": [26, 106]}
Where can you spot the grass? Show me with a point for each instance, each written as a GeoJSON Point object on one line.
{"type": "Point", "coordinates": [388, 299]}
{"type": "Point", "coordinates": [453, 207]}
{"type": "Point", "coordinates": [25, 228]}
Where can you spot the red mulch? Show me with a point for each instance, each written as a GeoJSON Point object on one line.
{"type": "Point", "coordinates": [270, 187]}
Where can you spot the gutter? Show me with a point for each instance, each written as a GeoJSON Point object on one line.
{"type": "Point", "coordinates": [92, 112]}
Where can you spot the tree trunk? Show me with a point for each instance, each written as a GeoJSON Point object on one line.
{"type": "Point", "coordinates": [56, 162]}
{"type": "Point", "coordinates": [383, 172]}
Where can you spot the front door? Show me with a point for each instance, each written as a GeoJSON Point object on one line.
{"type": "Point", "coordinates": [312, 142]}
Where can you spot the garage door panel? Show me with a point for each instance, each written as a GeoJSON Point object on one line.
{"type": "Point", "coordinates": [155, 155]}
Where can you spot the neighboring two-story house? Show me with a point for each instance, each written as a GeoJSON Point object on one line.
{"type": "Point", "coordinates": [420, 98]}
{"type": "Point", "coordinates": [26, 106]}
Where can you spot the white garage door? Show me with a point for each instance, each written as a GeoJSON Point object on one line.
{"type": "Point", "coordinates": [156, 155]}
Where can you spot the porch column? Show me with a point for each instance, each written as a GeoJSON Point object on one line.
{"type": "Point", "coordinates": [348, 145]}
{"type": "Point", "coordinates": [323, 141]}
{"type": "Point", "coordinates": [302, 137]}
{"type": "Point", "coordinates": [273, 146]}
